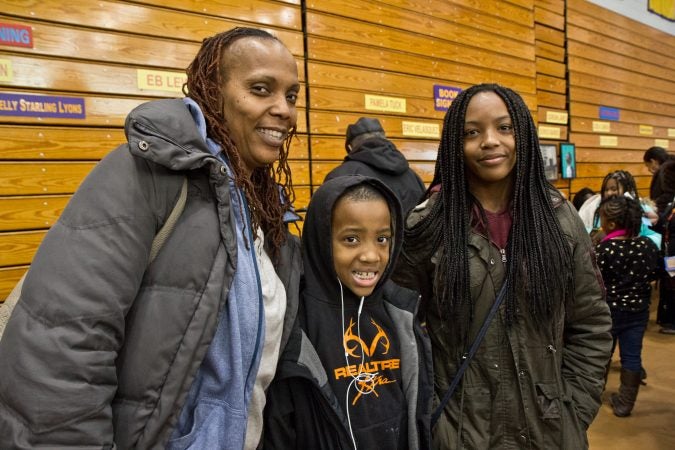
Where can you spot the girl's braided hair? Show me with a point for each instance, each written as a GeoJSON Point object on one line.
{"type": "Point", "coordinates": [540, 260]}
{"type": "Point", "coordinates": [625, 211]}
{"type": "Point", "coordinates": [625, 180]}
{"type": "Point", "coordinates": [267, 185]}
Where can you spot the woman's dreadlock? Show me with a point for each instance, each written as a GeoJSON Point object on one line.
{"type": "Point", "coordinates": [266, 185]}
{"type": "Point", "coordinates": [540, 260]}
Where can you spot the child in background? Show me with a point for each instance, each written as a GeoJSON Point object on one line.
{"type": "Point", "coordinates": [357, 370]}
{"type": "Point", "coordinates": [618, 182]}
{"type": "Point", "coordinates": [582, 196]}
{"type": "Point", "coordinates": [628, 263]}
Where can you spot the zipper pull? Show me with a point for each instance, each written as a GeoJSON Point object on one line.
{"type": "Point", "coordinates": [503, 252]}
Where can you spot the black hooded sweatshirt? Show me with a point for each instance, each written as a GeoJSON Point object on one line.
{"type": "Point", "coordinates": [308, 401]}
{"type": "Point", "coordinates": [379, 158]}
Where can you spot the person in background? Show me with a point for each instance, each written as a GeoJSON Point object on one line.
{"type": "Point", "coordinates": [628, 263]}
{"type": "Point", "coordinates": [618, 182]}
{"type": "Point", "coordinates": [494, 228]}
{"type": "Point", "coordinates": [357, 371]}
{"type": "Point", "coordinates": [662, 186]}
{"type": "Point", "coordinates": [665, 315]}
{"type": "Point", "coordinates": [370, 153]}
{"type": "Point", "coordinates": [106, 351]}
{"type": "Point", "coordinates": [581, 196]}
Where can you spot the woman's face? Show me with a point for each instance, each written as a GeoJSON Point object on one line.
{"type": "Point", "coordinates": [259, 97]}
{"type": "Point", "coordinates": [652, 165]}
{"type": "Point", "coordinates": [612, 187]}
{"type": "Point", "coordinates": [489, 143]}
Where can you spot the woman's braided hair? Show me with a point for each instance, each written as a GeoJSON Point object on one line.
{"type": "Point", "coordinates": [206, 76]}
{"type": "Point", "coordinates": [540, 260]}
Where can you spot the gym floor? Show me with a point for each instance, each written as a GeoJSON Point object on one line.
{"type": "Point", "coordinates": [651, 426]}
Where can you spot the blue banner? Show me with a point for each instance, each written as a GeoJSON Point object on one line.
{"type": "Point", "coordinates": [26, 105]}
{"type": "Point", "coordinates": [444, 95]}
{"type": "Point", "coordinates": [607, 113]}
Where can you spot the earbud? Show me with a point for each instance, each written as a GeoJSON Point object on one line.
{"type": "Point", "coordinates": [361, 377]}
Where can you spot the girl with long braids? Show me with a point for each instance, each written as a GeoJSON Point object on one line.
{"type": "Point", "coordinates": [493, 228]}
{"type": "Point", "coordinates": [115, 345]}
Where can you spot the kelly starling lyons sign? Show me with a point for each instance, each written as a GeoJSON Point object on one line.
{"type": "Point", "coordinates": [26, 105]}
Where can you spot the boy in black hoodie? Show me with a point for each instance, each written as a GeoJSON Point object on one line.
{"type": "Point", "coordinates": [356, 373]}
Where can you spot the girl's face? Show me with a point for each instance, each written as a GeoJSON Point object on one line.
{"type": "Point", "coordinates": [361, 238]}
{"type": "Point", "coordinates": [489, 143]}
{"type": "Point", "coordinates": [613, 187]}
{"type": "Point", "coordinates": [259, 98]}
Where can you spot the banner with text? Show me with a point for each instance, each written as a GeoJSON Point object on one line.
{"type": "Point", "coordinates": [27, 105]}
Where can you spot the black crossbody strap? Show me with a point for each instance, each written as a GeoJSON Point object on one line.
{"type": "Point", "coordinates": [469, 356]}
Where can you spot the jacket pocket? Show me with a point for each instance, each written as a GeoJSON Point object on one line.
{"type": "Point", "coordinates": [549, 421]}
{"type": "Point", "coordinates": [548, 401]}
{"type": "Point", "coordinates": [213, 423]}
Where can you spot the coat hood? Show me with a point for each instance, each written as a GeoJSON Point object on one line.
{"type": "Point", "coordinates": [381, 154]}
{"type": "Point", "coordinates": [150, 126]}
{"type": "Point", "coordinates": [321, 280]}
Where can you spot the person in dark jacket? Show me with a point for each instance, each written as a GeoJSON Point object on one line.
{"type": "Point", "coordinates": [105, 351]}
{"type": "Point", "coordinates": [492, 221]}
{"type": "Point", "coordinates": [665, 315]}
{"type": "Point", "coordinates": [660, 189]}
{"type": "Point", "coordinates": [370, 153]}
{"type": "Point", "coordinates": [357, 371]}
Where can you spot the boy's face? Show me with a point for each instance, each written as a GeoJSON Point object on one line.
{"type": "Point", "coordinates": [361, 237]}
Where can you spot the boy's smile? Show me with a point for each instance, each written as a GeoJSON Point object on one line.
{"type": "Point", "coordinates": [361, 239]}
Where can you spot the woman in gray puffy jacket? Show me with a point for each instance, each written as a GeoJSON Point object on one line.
{"type": "Point", "coordinates": [106, 349]}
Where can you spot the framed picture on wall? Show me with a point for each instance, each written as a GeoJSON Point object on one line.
{"type": "Point", "coordinates": [568, 163]}
{"type": "Point", "coordinates": [548, 153]}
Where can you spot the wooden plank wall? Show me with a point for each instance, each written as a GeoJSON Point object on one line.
{"type": "Point", "coordinates": [361, 58]}
{"type": "Point", "coordinates": [552, 113]}
{"type": "Point", "coordinates": [92, 50]}
{"type": "Point", "coordinates": [619, 63]}
{"type": "Point", "coordinates": [397, 50]}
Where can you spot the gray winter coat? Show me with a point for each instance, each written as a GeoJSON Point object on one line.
{"type": "Point", "coordinates": [100, 350]}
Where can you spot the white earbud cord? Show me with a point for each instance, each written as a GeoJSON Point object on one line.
{"type": "Point", "coordinates": [361, 376]}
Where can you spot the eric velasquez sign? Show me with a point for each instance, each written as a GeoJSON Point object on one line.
{"type": "Point", "coordinates": [26, 105]}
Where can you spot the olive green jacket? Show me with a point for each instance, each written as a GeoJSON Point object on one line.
{"type": "Point", "coordinates": [529, 386]}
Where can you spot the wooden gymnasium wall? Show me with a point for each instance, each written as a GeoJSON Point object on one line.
{"type": "Point", "coordinates": [398, 60]}
{"type": "Point", "coordinates": [92, 54]}
{"type": "Point", "coordinates": [552, 113]}
{"type": "Point", "coordinates": [627, 69]}
{"type": "Point", "coordinates": [384, 59]}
